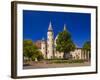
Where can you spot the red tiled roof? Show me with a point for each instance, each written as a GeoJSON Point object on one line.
{"type": "Point", "coordinates": [38, 44]}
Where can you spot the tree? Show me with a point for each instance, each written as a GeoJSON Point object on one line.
{"type": "Point", "coordinates": [64, 43]}
{"type": "Point", "coordinates": [30, 50]}
{"type": "Point", "coordinates": [40, 55]}
{"type": "Point", "coordinates": [87, 48]}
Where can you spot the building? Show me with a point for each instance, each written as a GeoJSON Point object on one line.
{"type": "Point", "coordinates": [49, 51]}
{"type": "Point", "coordinates": [38, 44]}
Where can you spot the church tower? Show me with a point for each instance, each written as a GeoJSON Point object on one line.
{"type": "Point", "coordinates": [50, 42]}
{"type": "Point", "coordinates": [43, 47]}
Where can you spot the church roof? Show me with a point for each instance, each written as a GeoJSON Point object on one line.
{"type": "Point", "coordinates": [38, 44]}
{"type": "Point", "coordinates": [50, 27]}
{"type": "Point", "coordinates": [56, 37]}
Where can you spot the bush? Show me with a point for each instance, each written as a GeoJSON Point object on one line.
{"type": "Point", "coordinates": [40, 57]}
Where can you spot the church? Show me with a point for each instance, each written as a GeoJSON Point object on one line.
{"type": "Point", "coordinates": [48, 48]}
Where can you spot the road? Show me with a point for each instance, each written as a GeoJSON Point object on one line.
{"type": "Point", "coordinates": [55, 65]}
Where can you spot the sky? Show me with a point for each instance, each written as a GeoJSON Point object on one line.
{"type": "Point", "coordinates": [36, 23]}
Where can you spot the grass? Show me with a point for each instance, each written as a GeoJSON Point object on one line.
{"type": "Point", "coordinates": [65, 61]}
{"type": "Point", "coordinates": [58, 61]}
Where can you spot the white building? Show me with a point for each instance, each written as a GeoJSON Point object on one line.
{"type": "Point", "coordinates": [49, 51]}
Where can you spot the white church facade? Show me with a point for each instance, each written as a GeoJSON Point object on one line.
{"type": "Point", "coordinates": [48, 48]}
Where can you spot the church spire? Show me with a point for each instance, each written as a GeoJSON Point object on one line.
{"type": "Point", "coordinates": [65, 27]}
{"type": "Point", "coordinates": [50, 27]}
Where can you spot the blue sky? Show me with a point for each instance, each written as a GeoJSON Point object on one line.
{"type": "Point", "coordinates": [35, 25]}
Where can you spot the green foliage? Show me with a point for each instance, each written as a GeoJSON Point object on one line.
{"type": "Point", "coordinates": [30, 50]}
{"type": "Point", "coordinates": [87, 46]}
{"type": "Point", "coordinates": [64, 61]}
{"type": "Point", "coordinates": [40, 55]}
{"type": "Point", "coordinates": [68, 61]}
{"type": "Point", "coordinates": [64, 42]}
